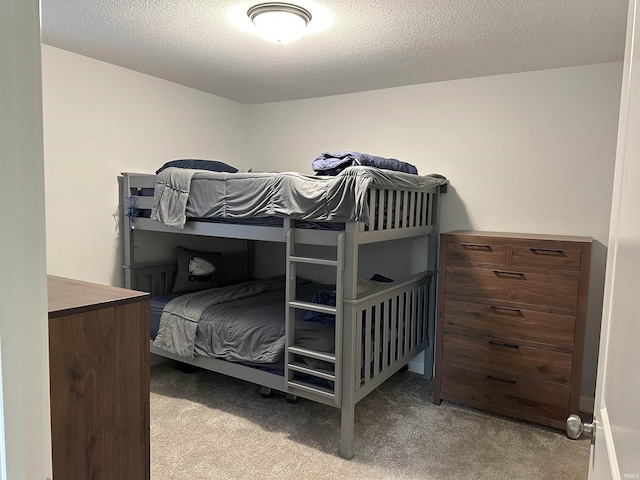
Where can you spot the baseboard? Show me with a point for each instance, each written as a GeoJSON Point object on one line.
{"type": "Point", "coordinates": [586, 404]}
{"type": "Point", "coordinates": [416, 367]}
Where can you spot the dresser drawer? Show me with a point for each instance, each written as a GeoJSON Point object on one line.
{"type": "Point", "coordinates": [479, 252]}
{"type": "Point", "coordinates": [556, 256]}
{"type": "Point", "coordinates": [485, 390]}
{"type": "Point", "coordinates": [493, 321]}
{"type": "Point", "coordinates": [512, 286]}
{"type": "Point", "coordinates": [536, 363]}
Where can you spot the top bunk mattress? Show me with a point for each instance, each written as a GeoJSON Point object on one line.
{"type": "Point", "coordinates": [185, 193]}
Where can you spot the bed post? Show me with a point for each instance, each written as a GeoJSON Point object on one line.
{"type": "Point", "coordinates": [126, 232]}
{"type": "Point", "coordinates": [432, 287]}
{"type": "Point", "coordinates": [348, 402]}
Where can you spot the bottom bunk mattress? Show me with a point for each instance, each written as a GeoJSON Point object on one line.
{"type": "Point", "coordinates": [241, 323]}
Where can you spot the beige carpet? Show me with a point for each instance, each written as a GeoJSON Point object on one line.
{"type": "Point", "coordinates": [208, 426]}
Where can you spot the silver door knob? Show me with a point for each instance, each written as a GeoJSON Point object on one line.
{"type": "Point", "coordinates": [575, 427]}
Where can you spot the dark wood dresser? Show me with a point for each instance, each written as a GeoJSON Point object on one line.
{"type": "Point", "coordinates": [99, 381]}
{"type": "Point", "coordinates": [510, 324]}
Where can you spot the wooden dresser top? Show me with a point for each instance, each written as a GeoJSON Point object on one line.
{"type": "Point", "coordinates": [67, 296]}
{"type": "Point", "coordinates": [525, 236]}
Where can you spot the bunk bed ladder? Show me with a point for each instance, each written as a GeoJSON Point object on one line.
{"type": "Point", "coordinates": [314, 372]}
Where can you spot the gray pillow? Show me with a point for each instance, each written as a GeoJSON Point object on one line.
{"type": "Point", "coordinates": [196, 270]}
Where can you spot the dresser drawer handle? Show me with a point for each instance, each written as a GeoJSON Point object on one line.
{"type": "Point", "coordinates": [497, 379]}
{"type": "Point", "coordinates": [517, 311]}
{"type": "Point", "coordinates": [537, 251]}
{"type": "Point", "coordinates": [502, 344]}
{"type": "Point", "coordinates": [476, 246]}
{"type": "Point", "coordinates": [515, 274]}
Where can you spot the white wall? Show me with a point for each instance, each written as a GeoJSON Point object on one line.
{"type": "Point", "coordinates": [529, 152]}
{"type": "Point", "coordinates": [101, 120]}
{"type": "Point", "coordinates": [25, 432]}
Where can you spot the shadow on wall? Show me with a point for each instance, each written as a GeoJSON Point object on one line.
{"type": "Point", "coordinates": [594, 318]}
{"type": "Point", "coordinates": [453, 213]}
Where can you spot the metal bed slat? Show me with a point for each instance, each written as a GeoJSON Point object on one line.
{"type": "Point", "coordinates": [396, 220]}
{"type": "Point", "coordinates": [143, 203]}
{"type": "Point", "coordinates": [407, 322]}
{"type": "Point", "coordinates": [405, 210]}
{"type": "Point", "coordinates": [421, 315]}
{"type": "Point", "coordinates": [377, 340]}
{"type": "Point", "coordinates": [388, 203]}
{"type": "Point", "coordinates": [364, 227]}
{"type": "Point", "coordinates": [401, 325]}
{"type": "Point", "coordinates": [359, 340]}
{"type": "Point", "coordinates": [425, 207]}
{"type": "Point", "coordinates": [425, 311]}
{"type": "Point", "coordinates": [367, 345]}
{"type": "Point", "coordinates": [153, 284]}
{"type": "Point", "coordinates": [410, 313]}
{"type": "Point", "coordinates": [394, 328]}
{"type": "Point", "coordinates": [380, 208]}
{"type": "Point", "coordinates": [412, 209]}
{"type": "Point", "coordinates": [414, 318]}
{"type": "Point", "coordinates": [386, 327]}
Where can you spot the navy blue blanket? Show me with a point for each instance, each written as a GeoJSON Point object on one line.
{"type": "Point", "coordinates": [332, 163]}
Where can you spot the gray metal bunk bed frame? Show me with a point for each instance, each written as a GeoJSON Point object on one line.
{"type": "Point", "coordinates": [376, 333]}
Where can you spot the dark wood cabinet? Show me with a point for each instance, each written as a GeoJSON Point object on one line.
{"type": "Point", "coordinates": [510, 324]}
{"type": "Point", "coordinates": [99, 381]}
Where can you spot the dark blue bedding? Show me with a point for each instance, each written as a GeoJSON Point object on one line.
{"type": "Point", "coordinates": [332, 163]}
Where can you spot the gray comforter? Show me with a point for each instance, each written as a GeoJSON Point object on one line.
{"type": "Point", "coordinates": [182, 193]}
{"type": "Point", "coordinates": [182, 315]}
{"type": "Point", "coordinates": [238, 323]}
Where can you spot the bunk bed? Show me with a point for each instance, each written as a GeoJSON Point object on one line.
{"type": "Point", "coordinates": [375, 332]}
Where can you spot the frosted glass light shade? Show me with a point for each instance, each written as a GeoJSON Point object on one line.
{"type": "Point", "coordinates": [279, 22]}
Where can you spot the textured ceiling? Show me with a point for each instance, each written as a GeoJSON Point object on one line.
{"type": "Point", "coordinates": [351, 46]}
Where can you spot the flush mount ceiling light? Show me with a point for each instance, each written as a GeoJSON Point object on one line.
{"type": "Point", "coordinates": [279, 22]}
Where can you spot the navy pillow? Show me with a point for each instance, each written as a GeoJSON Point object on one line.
{"type": "Point", "coordinates": [196, 270]}
{"type": "Point", "coordinates": [199, 270]}
{"type": "Point", "coordinates": [212, 165]}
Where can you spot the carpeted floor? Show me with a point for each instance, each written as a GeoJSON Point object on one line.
{"type": "Point", "coordinates": [208, 426]}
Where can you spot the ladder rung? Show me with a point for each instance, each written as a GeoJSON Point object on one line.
{"type": "Point", "coordinates": [315, 389]}
{"type": "Point", "coordinates": [310, 371]}
{"type": "Point", "coordinates": [314, 261]}
{"type": "Point", "coordinates": [314, 307]}
{"type": "Point", "coordinates": [327, 357]}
